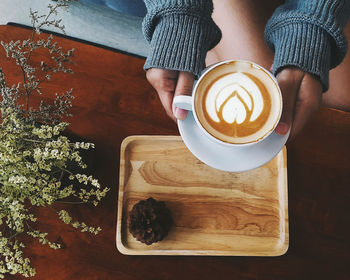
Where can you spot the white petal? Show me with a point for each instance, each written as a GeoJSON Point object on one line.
{"type": "Point", "coordinates": [234, 111]}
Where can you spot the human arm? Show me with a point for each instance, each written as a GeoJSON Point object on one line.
{"type": "Point", "coordinates": [180, 33]}
{"type": "Point", "coordinates": [308, 40]}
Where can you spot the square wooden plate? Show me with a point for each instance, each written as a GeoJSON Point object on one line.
{"type": "Point", "coordinates": [214, 212]}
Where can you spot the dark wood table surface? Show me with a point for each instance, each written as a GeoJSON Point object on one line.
{"type": "Point", "coordinates": [113, 100]}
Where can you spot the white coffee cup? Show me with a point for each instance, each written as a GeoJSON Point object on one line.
{"type": "Point", "coordinates": [264, 77]}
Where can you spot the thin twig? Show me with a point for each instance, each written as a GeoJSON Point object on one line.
{"type": "Point", "coordinates": [32, 140]}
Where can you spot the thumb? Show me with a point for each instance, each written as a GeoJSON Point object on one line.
{"type": "Point", "coordinates": [289, 82]}
{"type": "Point", "coordinates": [184, 86]}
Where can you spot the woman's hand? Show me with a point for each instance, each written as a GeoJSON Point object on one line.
{"type": "Point", "coordinates": [302, 95]}
{"type": "Point", "coordinates": [170, 83]}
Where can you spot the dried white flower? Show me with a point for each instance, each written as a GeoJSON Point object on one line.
{"type": "Point", "coordinates": [34, 155]}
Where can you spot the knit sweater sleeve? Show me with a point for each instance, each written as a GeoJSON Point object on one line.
{"type": "Point", "coordinates": [180, 33]}
{"type": "Point", "coordinates": [309, 34]}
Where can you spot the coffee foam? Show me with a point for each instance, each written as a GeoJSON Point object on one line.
{"type": "Point", "coordinates": [235, 95]}
{"type": "Point", "coordinates": [238, 102]}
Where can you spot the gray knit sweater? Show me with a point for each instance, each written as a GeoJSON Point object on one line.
{"type": "Point", "coordinates": [303, 33]}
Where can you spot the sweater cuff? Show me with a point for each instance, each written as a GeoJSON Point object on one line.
{"type": "Point", "coordinates": [180, 42]}
{"type": "Point", "coordinates": [303, 45]}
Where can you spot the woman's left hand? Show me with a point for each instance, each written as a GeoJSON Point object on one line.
{"type": "Point", "coordinates": [302, 96]}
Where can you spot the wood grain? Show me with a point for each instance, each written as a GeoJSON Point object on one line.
{"type": "Point", "coordinates": [114, 100]}
{"type": "Point", "coordinates": [214, 212]}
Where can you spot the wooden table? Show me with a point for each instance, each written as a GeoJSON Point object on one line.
{"type": "Point", "coordinates": [113, 101]}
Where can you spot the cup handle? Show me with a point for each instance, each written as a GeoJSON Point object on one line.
{"type": "Point", "coordinates": [183, 102]}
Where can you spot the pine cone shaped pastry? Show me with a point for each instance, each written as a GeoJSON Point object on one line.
{"type": "Point", "coordinates": [150, 221]}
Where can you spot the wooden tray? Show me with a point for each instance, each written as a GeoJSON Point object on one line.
{"type": "Point", "coordinates": [214, 212]}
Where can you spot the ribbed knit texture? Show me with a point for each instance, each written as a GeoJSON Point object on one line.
{"type": "Point", "coordinates": [180, 33]}
{"type": "Point", "coordinates": [303, 33]}
{"type": "Point", "coordinates": [309, 34]}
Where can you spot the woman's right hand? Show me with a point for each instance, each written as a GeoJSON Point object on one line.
{"type": "Point", "coordinates": [168, 84]}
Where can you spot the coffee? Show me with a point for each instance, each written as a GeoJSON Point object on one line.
{"type": "Point", "coordinates": [238, 102]}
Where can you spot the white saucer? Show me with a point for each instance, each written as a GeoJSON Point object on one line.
{"type": "Point", "coordinates": [233, 159]}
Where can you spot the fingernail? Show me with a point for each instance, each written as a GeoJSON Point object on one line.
{"type": "Point", "coordinates": [282, 128]}
{"type": "Point", "coordinates": [180, 114]}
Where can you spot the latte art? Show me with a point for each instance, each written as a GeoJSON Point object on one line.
{"type": "Point", "coordinates": [234, 98]}
{"type": "Point", "coordinates": [237, 102]}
